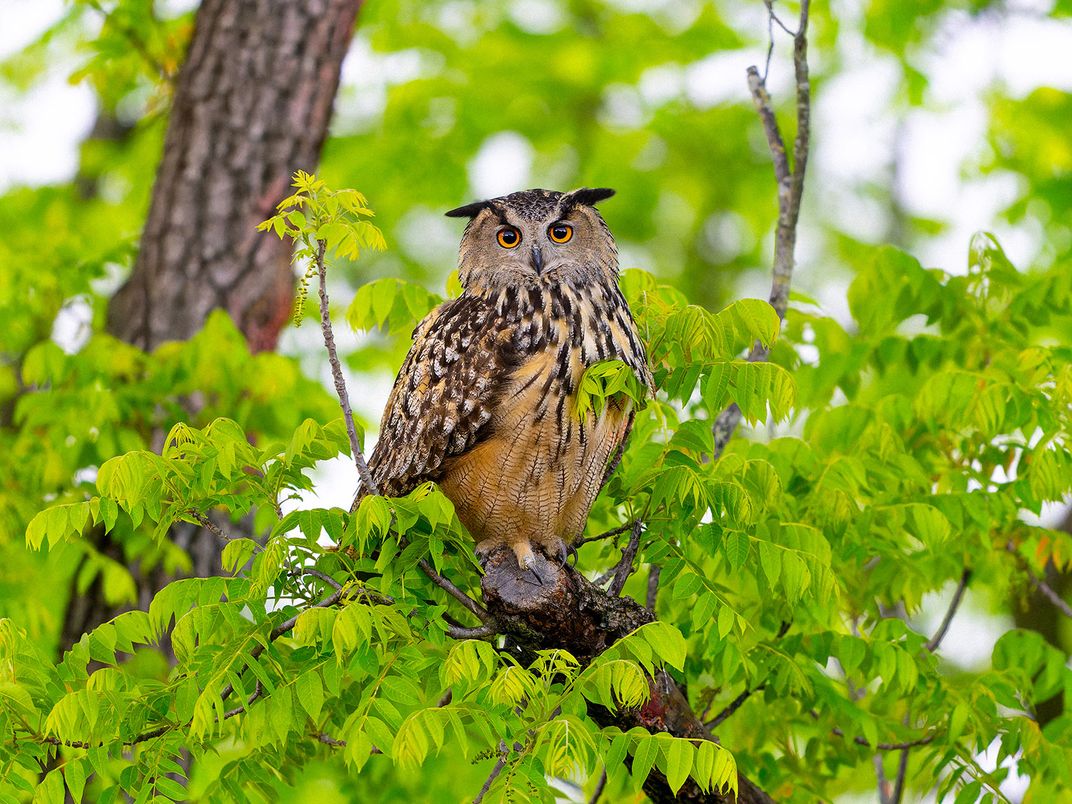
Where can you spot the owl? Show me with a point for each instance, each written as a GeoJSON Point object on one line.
{"type": "Point", "coordinates": [485, 403]}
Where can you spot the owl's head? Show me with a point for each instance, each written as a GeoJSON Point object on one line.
{"type": "Point", "coordinates": [536, 237]}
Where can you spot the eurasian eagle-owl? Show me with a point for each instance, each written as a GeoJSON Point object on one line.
{"type": "Point", "coordinates": [485, 402]}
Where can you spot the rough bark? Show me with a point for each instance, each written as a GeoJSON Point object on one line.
{"type": "Point", "coordinates": [554, 606]}
{"type": "Point", "coordinates": [252, 104]}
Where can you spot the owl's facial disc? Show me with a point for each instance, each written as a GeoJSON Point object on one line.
{"type": "Point", "coordinates": [536, 237]}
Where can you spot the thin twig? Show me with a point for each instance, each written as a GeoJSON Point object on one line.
{"type": "Point", "coordinates": [479, 611]}
{"type": "Point", "coordinates": [480, 632]}
{"type": "Point", "coordinates": [336, 373]}
{"type": "Point", "coordinates": [733, 706]}
{"type": "Point", "coordinates": [607, 534]}
{"type": "Point", "coordinates": [258, 691]}
{"type": "Point", "coordinates": [315, 573]}
{"type": "Point", "coordinates": [790, 181]}
{"type": "Point", "coordinates": [625, 566]}
{"type": "Point", "coordinates": [653, 587]}
{"type": "Point", "coordinates": [503, 754]}
{"type": "Point", "coordinates": [1040, 584]}
{"type": "Point", "coordinates": [958, 595]}
{"type": "Point", "coordinates": [204, 521]}
{"type": "Point", "coordinates": [602, 783]}
{"type": "Point", "coordinates": [1053, 597]}
{"type": "Point", "coordinates": [899, 746]}
{"type": "Point", "coordinates": [899, 780]}
{"type": "Point", "coordinates": [327, 739]}
{"type": "Point", "coordinates": [930, 738]}
{"type": "Point", "coordinates": [932, 646]}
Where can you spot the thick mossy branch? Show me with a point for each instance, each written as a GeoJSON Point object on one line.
{"type": "Point", "coordinates": [554, 606]}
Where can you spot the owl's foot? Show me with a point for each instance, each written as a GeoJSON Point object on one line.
{"type": "Point", "coordinates": [523, 551]}
{"type": "Point", "coordinates": [557, 549]}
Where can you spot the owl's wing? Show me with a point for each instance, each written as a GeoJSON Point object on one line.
{"type": "Point", "coordinates": [441, 404]}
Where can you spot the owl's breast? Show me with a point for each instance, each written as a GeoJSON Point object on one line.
{"type": "Point", "coordinates": [540, 471]}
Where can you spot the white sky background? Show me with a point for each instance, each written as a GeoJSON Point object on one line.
{"type": "Point", "coordinates": [40, 134]}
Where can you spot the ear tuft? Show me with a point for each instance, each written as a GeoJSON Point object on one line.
{"type": "Point", "coordinates": [467, 211]}
{"type": "Point", "coordinates": [589, 196]}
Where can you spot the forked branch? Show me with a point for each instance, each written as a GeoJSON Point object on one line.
{"type": "Point", "coordinates": [790, 179]}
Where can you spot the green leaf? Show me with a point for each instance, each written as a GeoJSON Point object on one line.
{"type": "Point", "coordinates": [236, 553]}
{"type": "Point", "coordinates": [679, 755]}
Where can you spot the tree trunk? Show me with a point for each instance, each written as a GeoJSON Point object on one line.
{"type": "Point", "coordinates": [252, 105]}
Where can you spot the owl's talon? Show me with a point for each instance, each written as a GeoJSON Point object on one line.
{"type": "Point", "coordinates": [523, 551]}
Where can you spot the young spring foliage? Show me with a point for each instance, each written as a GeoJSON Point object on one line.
{"type": "Point", "coordinates": [322, 221]}
{"type": "Point", "coordinates": [898, 454]}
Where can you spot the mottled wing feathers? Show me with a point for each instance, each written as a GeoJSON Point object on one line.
{"type": "Point", "coordinates": [442, 401]}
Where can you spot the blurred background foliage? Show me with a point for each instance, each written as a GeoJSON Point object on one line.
{"type": "Point", "coordinates": [444, 102]}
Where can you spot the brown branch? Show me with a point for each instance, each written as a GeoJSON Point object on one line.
{"type": "Point", "coordinates": [600, 785]}
{"type": "Point", "coordinates": [899, 780]}
{"type": "Point", "coordinates": [570, 612]}
{"type": "Point", "coordinates": [478, 611]}
{"type": "Point", "coordinates": [733, 706]}
{"type": "Point", "coordinates": [653, 587]}
{"type": "Point", "coordinates": [503, 754]}
{"type": "Point", "coordinates": [258, 691]}
{"type": "Point", "coordinates": [625, 566]}
{"type": "Point", "coordinates": [790, 180]}
{"type": "Point", "coordinates": [958, 595]}
{"type": "Point", "coordinates": [480, 632]}
{"type": "Point", "coordinates": [327, 739]}
{"type": "Point", "coordinates": [607, 534]}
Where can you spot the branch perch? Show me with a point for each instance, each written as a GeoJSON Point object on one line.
{"type": "Point", "coordinates": [568, 611]}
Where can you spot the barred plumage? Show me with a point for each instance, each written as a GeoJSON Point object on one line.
{"type": "Point", "coordinates": [484, 403]}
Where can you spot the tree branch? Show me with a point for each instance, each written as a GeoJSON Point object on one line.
{"type": "Point", "coordinates": [568, 611]}
{"type": "Point", "coordinates": [602, 783]}
{"type": "Point", "coordinates": [932, 646]}
{"type": "Point", "coordinates": [1050, 594]}
{"type": "Point", "coordinates": [958, 595]}
{"type": "Point", "coordinates": [336, 373]}
{"type": "Point", "coordinates": [733, 706]}
{"type": "Point", "coordinates": [790, 181]}
{"type": "Point", "coordinates": [653, 587]}
{"type": "Point", "coordinates": [503, 754]}
{"type": "Point", "coordinates": [625, 566]}
{"type": "Point", "coordinates": [607, 534]}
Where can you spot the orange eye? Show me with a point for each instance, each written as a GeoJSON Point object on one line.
{"type": "Point", "coordinates": [508, 237]}
{"type": "Point", "coordinates": [560, 232]}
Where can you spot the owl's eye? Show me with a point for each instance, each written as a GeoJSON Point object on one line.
{"type": "Point", "coordinates": [509, 237]}
{"type": "Point", "coordinates": [560, 232]}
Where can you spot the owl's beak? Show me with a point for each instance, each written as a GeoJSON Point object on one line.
{"type": "Point", "coordinates": [537, 259]}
